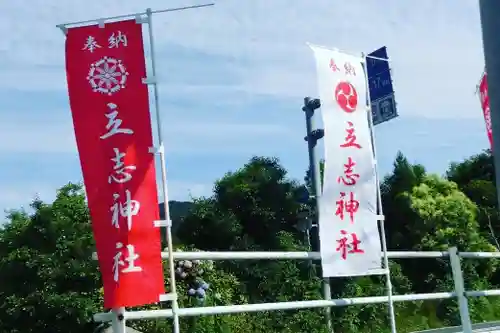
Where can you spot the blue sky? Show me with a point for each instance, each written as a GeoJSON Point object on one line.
{"type": "Point", "coordinates": [233, 77]}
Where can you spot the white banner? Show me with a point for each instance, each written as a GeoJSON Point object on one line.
{"type": "Point", "coordinates": [348, 230]}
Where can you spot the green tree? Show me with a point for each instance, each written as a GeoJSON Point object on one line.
{"type": "Point", "coordinates": [429, 213]}
{"type": "Point", "coordinates": [224, 289]}
{"type": "Point", "coordinates": [446, 218]}
{"type": "Point", "coordinates": [476, 178]}
{"type": "Point", "coordinates": [400, 219]}
{"type": "Point", "coordinates": [476, 167]}
{"type": "Point", "coordinates": [355, 319]}
{"type": "Point", "coordinates": [178, 211]}
{"type": "Point", "coordinates": [256, 209]}
{"type": "Point", "coordinates": [48, 281]}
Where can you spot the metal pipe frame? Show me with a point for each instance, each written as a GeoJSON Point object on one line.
{"type": "Point", "coordinates": [243, 255]}
{"type": "Point", "coordinates": [232, 309]}
{"type": "Point", "coordinates": [298, 255]}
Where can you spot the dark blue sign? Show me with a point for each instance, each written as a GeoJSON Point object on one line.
{"type": "Point", "coordinates": [380, 86]}
{"type": "Point", "coordinates": [376, 66]}
{"type": "Point", "coordinates": [384, 109]}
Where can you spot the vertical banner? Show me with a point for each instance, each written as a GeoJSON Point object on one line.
{"type": "Point", "coordinates": [109, 102]}
{"type": "Point", "coordinates": [349, 235]}
{"type": "Point", "coordinates": [485, 105]}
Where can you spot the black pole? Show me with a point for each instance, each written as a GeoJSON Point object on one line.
{"type": "Point", "coordinates": [315, 176]}
{"type": "Point", "coordinates": [490, 26]}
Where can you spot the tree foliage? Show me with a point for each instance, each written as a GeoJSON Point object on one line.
{"type": "Point", "coordinates": [255, 209]}
{"type": "Point", "coordinates": [475, 177]}
{"type": "Point", "coordinates": [48, 282]}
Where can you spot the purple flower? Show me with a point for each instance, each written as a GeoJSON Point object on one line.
{"type": "Point", "coordinates": [191, 292]}
{"type": "Point", "coordinates": [200, 292]}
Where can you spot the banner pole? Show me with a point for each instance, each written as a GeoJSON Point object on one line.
{"type": "Point", "coordinates": [380, 216]}
{"type": "Point", "coordinates": [171, 265]}
{"type": "Point", "coordinates": [118, 322]}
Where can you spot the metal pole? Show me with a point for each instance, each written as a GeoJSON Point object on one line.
{"type": "Point", "coordinates": [458, 281]}
{"type": "Point", "coordinates": [315, 174]}
{"type": "Point", "coordinates": [102, 19]}
{"type": "Point", "coordinates": [118, 323]}
{"type": "Point", "coordinates": [380, 217]}
{"type": "Point", "coordinates": [490, 26]}
{"type": "Point", "coordinates": [308, 240]}
{"type": "Point", "coordinates": [171, 264]}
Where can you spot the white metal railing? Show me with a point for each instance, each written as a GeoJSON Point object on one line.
{"type": "Point", "coordinates": [244, 255]}
{"type": "Point", "coordinates": [452, 254]}
{"type": "Point", "coordinates": [489, 327]}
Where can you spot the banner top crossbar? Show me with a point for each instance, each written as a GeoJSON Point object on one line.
{"type": "Point", "coordinates": [361, 54]}
{"type": "Point", "coordinates": [103, 19]}
{"type": "Point", "coordinates": [377, 58]}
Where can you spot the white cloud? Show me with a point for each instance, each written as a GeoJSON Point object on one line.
{"type": "Point", "coordinates": [436, 47]}
{"type": "Point", "coordinates": [51, 131]}
{"type": "Point", "coordinates": [33, 78]}
{"type": "Point", "coordinates": [20, 133]}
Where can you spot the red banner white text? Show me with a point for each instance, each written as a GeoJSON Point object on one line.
{"type": "Point", "coordinates": [349, 235]}
{"type": "Point", "coordinates": [110, 108]}
{"type": "Point", "coordinates": [485, 105]}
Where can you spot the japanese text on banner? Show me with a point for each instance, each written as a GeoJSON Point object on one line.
{"type": "Point", "coordinates": [349, 236]}
{"type": "Point", "coordinates": [110, 108]}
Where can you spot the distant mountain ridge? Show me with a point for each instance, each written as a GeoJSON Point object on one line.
{"type": "Point", "coordinates": [178, 210]}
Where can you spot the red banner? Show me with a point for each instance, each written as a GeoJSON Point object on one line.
{"type": "Point", "coordinates": [485, 105]}
{"type": "Point", "coordinates": [110, 107]}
